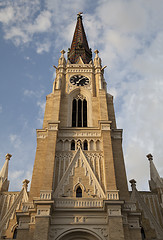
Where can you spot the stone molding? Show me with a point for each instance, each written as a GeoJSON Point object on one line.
{"type": "Point", "coordinates": [99, 231]}
{"type": "Point", "coordinates": [80, 134]}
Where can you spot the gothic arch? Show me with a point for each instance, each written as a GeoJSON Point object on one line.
{"type": "Point", "coordinates": [79, 184]}
{"type": "Point", "coordinates": [79, 234]}
{"type": "Point", "coordinates": [87, 95]}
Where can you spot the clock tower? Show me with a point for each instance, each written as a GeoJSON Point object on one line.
{"type": "Point", "coordinates": [79, 187]}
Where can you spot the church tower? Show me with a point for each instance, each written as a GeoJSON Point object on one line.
{"type": "Point", "coordinates": [79, 187]}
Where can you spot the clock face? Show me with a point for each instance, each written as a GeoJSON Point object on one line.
{"type": "Point", "coordinates": [79, 80]}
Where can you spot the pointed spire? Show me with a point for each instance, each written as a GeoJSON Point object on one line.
{"type": "Point", "coordinates": [4, 183]}
{"type": "Point", "coordinates": [79, 46]}
{"type": "Point", "coordinates": [155, 179]}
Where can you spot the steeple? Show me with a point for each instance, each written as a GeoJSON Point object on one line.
{"type": "Point", "coordinates": [4, 183]}
{"type": "Point", "coordinates": [79, 46]}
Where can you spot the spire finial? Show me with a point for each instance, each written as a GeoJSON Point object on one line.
{"type": "Point", "coordinates": [62, 51]}
{"type": "Point", "coordinates": [149, 156]}
{"type": "Point", "coordinates": [96, 52]}
{"type": "Point", "coordinates": [79, 15]}
{"type": "Point", "coordinates": [133, 184]}
{"type": "Point", "coordinates": [8, 156]}
{"type": "Point", "coordinates": [25, 183]}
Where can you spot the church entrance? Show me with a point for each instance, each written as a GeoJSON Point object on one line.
{"type": "Point", "coordinates": [79, 235]}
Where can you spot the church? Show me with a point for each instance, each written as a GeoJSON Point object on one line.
{"type": "Point", "coordinates": [79, 187]}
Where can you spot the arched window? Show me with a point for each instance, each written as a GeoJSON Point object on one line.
{"type": "Point", "coordinates": [72, 145]}
{"type": "Point", "coordinates": [98, 145]}
{"type": "Point", "coordinates": [79, 112]}
{"type": "Point", "coordinates": [85, 145]}
{"type": "Point", "coordinates": [84, 113]}
{"type": "Point", "coordinates": [74, 113]}
{"type": "Point", "coordinates": [79, 192]}
{"type": "Point", "coordinates": [91, 143]}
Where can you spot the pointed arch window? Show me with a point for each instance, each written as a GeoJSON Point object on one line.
{"type": "Point", "coordinates": [72, 145]}
{"type": "Point", "coordinates": [85, 145]}
{"type": "Point", "coordinates": [79, 192]}
{"type": "Point", "coordinates": [79, 112]}
{"type": "Point", "coordinates": [84, 113]}
{"type": "Point", "coordinates": [74, 113]}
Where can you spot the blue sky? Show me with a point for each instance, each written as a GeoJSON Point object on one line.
{"type": "Point", "coordinates": [129, 36]}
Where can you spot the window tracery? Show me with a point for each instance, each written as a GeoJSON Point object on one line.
{"type": "Point", "coordinates": [79, 111]}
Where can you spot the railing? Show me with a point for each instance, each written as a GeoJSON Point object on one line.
{"type": "Point", "coordinates": [26, 206]}
{"type": "Point", "coordinates": [45, 195]}
{"type": "Point", "coordinates": [113, 195]}
{"type": "Point", "coordinates": [68, 203]}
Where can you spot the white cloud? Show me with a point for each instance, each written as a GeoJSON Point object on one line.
{"type": "Point", "coordinates": [0, 108]}
{"type": "Point", "coordinates": [41, 105]}
{"type": "Point", "coordinates": [16, 174]}
{"type": "Point", "coordinates": [125, 16]}
{"type": "Point", "coordinates": [29, 93]}
{"type": "Point", "coordinates": [17, 35]}
{"type": "Point", "coordinates": [42, 23]}
{"type": "Point", "coordinates": [15, 140]}
{"type": "Point", "coordinates": [32, 93]}
{"type": "Point", "coordinates": [43, 47]}
{"type": "Point", "coordinates": [149, 62]}
{"type": "Point", "coordinates": [21, 21]}
{"type": "Point", "coordinates": [6, 14]}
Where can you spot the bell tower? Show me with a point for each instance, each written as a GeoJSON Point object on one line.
{"type": "Point", "coordinates": [79, 186]}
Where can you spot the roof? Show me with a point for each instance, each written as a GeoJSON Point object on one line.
{"type": "Point", "coordinates": [79, 45]}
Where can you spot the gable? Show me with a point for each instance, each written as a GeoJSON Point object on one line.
{"type": "Point", "coordinates": [79, 173]}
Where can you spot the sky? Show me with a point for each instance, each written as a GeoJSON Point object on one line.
{"type": "Point", "coordinates": [129, 37]}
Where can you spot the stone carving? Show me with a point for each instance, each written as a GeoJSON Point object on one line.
{"type": "Point", "coordinates": [79, 144]}
{"type": "Point", "coordinates": [53, 126]}
{"type": "Point", "coordinates": [80, 96]}
{"type": "Point", "coordinates": [41, 134]}
{"type": "Point", "coordinates": [79, 219]}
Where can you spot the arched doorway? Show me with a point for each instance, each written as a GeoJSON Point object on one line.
{"type": "Point", "coordinates": [79, 234]}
